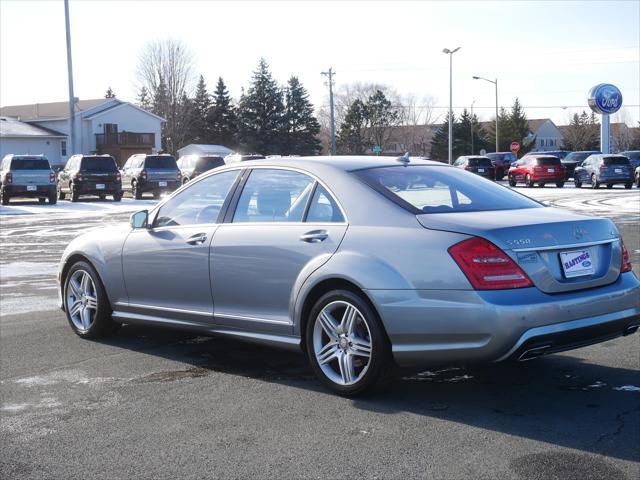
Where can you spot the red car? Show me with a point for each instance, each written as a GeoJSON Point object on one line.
{"type": "Point", "coordinates": [537, 169]}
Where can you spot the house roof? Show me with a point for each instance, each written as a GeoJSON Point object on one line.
{"type": "Point", "coordinates": [202, 148]}
{"type": "Point", "coordinates": [536, 123]}
{"type": "Point", "coordinates": [43, 111]}
{"type": "Point", "coordinates": [10, 127]}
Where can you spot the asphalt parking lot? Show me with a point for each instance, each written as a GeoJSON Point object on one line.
{"type": "Point", "coordinates": [150, 403]}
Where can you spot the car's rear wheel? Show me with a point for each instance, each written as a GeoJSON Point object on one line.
{"type": "Point", "coordinates": [86, 303]}
{"type": "Point", "coordinates": [117, 197]}
{"type": "Point", "coordinates": [135, 191]}
{"type": "Point", "coordinates": [594, 181]}
{"type": "Point", "coordinates": [560, 184]}
{"type": "Point", "coordinates": [60, 193]}
{"type": "Point", "coordinates": [512, 181]}
{"type": "Point", "coordinates": [102, 197]}
{"type": "Point", "coordinates": [346, 344]}
{"type": "Point", "coordinates": [156, 195]}
{"type": "Point", "coordinates": [628, 185]}
{"type": "Point", "coordinates": [528, 182]}
{"type": "Point", "coordinates": [53, 198]}
{"type": "Point", "coordinates": [41, 200]}
{"type": "Point", "coordinates": [609, 185]}
{"type": "Point", "coordinates": [75, 196]}
{"type": "Point", "coordinates": [578, 183]}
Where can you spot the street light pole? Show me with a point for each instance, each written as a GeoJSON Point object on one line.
{"type": "Point", "coordinates": [472, 127]}
{"type": "Point", "coordinates": [332, 122]}
{"type": "Point", "coordinates": [72, 119]}
{"type": "Point", "coordinates": [495, 82]}
{"type": "Point", "coordinates": [450, 53]}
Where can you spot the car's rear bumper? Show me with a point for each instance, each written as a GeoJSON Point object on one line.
{"type": "Point", "coordinates": [430, 327]}
{"type": "Point", "coordinates": [90, 188]}
{"type": "Point", "coordinates": [21, 190]}
{"type": "Point", "coordinates": [611, 179]}
{"type": "Point", "coordinates": [154, 185]}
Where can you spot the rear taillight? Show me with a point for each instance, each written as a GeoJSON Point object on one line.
{"type": "Point", "coordinates": [78, 177]}
{"type": "Point", "coordinates": [52, 177]}
{"type": "Point", "coordinates": [178, 176]}
{"type": "Point", "coordinates": [118, 177]}
{"type": "Point", "coordinates": [8, 178]}
{"type": "Point", "coordinates": [487, 267]}
{"type": "Point", "coordinates": [626, 261]}
{"type": "Point", "coordinates": [143, 174]}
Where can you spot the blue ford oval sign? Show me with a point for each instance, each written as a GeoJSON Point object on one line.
{"type": "Point", "coordinates": [605, 99]}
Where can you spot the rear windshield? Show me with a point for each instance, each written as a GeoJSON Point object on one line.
{"type": "Point", "coordinates": [480, 162]}
{"type": "Point", "coordinates": [578, 156]}
{"type": "Point", "coordinates": [207, 163]}
{"type": "Point", "coordinates": [616, 161]}
{"type": "Point", "coordinates": [98, 164]}
{"type": "Point", "coordinates": [30, 164]}
{"type": "Point", "coordinates": [632, 155]}
{"type": "Point", "coordinates": [548, 161]}
{"type": "Point", "coordinates": [161, 162]}
{"type": "Point", "coordinates": [436, 189]}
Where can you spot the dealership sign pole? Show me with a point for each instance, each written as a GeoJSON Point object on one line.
{"type": "Point", "coordinates": [605, 99]}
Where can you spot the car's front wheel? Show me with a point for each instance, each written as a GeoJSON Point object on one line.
{"type": "Point", "coordinates": [528, 181]}
{"type": "Point", "coordinates": [86, 303]}
{"type": "Point", "coordinates": [346, 344]}
{"type": "Point", "coordinates": [512, 181]}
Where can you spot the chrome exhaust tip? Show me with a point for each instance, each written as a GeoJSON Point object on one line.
{"type": "Point", "coordinates": [631, 329]}
{"type": "Point", "coordinates": [533, 353]}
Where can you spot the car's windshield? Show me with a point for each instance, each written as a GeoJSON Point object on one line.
{"type": "Point", "coordinates": [98, 164]}
{"type": "Point", "coordinates": [164, 161]}
{"type": "Point", "coordinates": [548, 161]}
{"type": "Point", "coordinates": [207, 163]}
{"type": "Point", "coordinates": [616, 161]}
{"type": "Point", "coordinates": [30, 164]}
{"type": "Point", "coordinates": [436, 189]}
{"type": "Point", "coordinates": [479, 162]}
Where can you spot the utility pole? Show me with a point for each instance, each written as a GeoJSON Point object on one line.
{"type": "Point", "coordinates": [72, 122]}
{"type": "Point", "coordinates": [330, 75]}
{"type": "Point", "coordinates": [472, 127]}
{"type": "Point", "coordinates": [450, 53]}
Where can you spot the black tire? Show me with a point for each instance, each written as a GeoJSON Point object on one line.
{"type": "Point", "coordinates": [499, 174]}
{"type": "Point", "coordinates": [41, 200]}
{"type": "Point", "coordinates": [117, 197]}
{"type": "Point", "coordinates": [578, 183]}
{"type": "Point", "coordinates": [156, 195]}
{"type": "Point", "coordinates": [560, 184]}
{"type": "Point", "coordinates": [528, 182]}
{"type": "Point", "coordinates": [541, 185]}
{"type": "Point", "coordinates": [184, 180]}
{"type": "Point", "coordinates": [102, 325]}
{"type": "Point", "coordinates": [380, 370]}
{"type": "Point", "coordinates": [135, 191]}
{"type": "Point", "coordinates": [4, 197]}
{"type": "Point", "coordinates": [53, 198]}
{"type": "Point", "coordinates": [60, 193]}
{"type": "Point", "coordinates": [628, 185]}
{"type": "Point", "coordinates": [74, 195]}
{"type": "Point", "coordinates": [594, 182]}
{"type": "Point", "coordinates": [609, 186]}
{"type": "Point", "coordinates": [102, 197]}
{"type": "Point", "coordinates": [512, 181]}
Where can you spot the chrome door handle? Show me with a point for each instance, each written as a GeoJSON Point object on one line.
{"type": "Point", "coordinates": [197, 239]}
{"type": "Point", "coordinates": [315, 236]}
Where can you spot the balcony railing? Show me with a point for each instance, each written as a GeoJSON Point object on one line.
{"type": "Point", "coordinates": [125, 139]}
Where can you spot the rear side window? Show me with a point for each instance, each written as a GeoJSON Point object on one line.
{"type": "Point", "coordinates": [161, 162]}
{"type": "Point", "coordinates": [616, 161]}
{"type": "Point", "coordinates": [323, 208]}
{"type": "Point", "coordinates": [30, 164]}
{"type": "Point", "coordinates": [98, 164]}
{"type": "Point", "coordinates": [548, 161]}
{"type": "Point", "coordinates": [435, 189]}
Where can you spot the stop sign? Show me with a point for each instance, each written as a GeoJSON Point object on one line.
{"type": "Point", "coordinates": [515, 146]}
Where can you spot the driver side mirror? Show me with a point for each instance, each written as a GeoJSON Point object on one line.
{"type": "Point", "coordinates": [139, 219]}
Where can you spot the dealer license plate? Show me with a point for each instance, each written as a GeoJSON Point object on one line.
{"type": "Point", "coordinates": [481, 170]}
{"type": "Point", "coordinates": [32, 188]}
{"type": "Point", "coordinates": [618, 170]}
{"type": "Point", "coordinates": [577, 263]}
{"type": "Point", "coordinates": [551, 170]}
{"type": "Point", "coordinates": [162, 184]}
{"type": "Point", "coordinates": [99, 186]}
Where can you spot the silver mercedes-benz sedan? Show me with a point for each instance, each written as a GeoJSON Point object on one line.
{"type": "Point", "coordinates": [365, 263]}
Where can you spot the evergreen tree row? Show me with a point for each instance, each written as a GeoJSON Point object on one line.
{"type": "Point", "coordinates": [268, 119]}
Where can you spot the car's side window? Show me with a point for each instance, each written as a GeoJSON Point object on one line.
{"type": "Point", "coordinates": [323, 208]}
{"type": "Point", "coordinates": [200, 203]}
{"type": "Point", "coordinates": [273, 195]}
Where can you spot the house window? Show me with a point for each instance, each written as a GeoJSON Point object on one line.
{"type": "Point", "coordinates": [63, 148]}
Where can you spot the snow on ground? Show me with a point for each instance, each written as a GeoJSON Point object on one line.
{"type": "Point", "coordinates": [80, 209]}
{"type": "Point", "coordinates": [27, 269]}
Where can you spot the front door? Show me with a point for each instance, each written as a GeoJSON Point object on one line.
{"type": "Point", "coordinates": [166, 267]}
{"type": "Point", "coordinates": [284, 227]}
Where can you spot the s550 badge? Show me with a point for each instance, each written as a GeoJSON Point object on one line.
{"type": "Point", "coordinates": [520, 242]}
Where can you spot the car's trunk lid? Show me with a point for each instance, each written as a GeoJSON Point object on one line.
{"type": "Point", "coordinates": [552, 246]}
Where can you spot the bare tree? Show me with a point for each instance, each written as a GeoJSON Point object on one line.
{"type": "Point", "coordinates": [166, 70]}
{"type": "Point", "coordinates": [416, 124]}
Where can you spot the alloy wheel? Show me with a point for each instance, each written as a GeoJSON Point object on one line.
{"type": "Point", "coordinates": [82, 300]}
{"type": "Point", "coordinates": [342, 343]}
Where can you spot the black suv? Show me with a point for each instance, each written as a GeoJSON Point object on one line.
{"type": "Point", "coordinates": [150, 173]}
{"type": "Point", "coordinates": [90, 175]}
{"type": "Point", "coordinates": [193, 165]}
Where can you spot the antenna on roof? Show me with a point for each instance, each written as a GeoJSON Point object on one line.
{"type": "Point", "coordinates": [404, 158]}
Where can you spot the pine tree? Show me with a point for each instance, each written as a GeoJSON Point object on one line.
{"type": "Point", "coordinates": [504, 133]}
{"type": "Point", "coordinates": [144, 99]}
{"type": "Point", "coordinates": [109, 93]}
{"type": "Point", "coordinates": [223, 126]}
{"type": "Point", "coordinates": [350, 138]}
{"type": "Point", "coordinates": [261, 114]}
{"type": "Point", "coordinates": [201, 106]}
{"type": "Point", "coordinates": [440, 141]}
{"type": "Point", "coordinates": [519, 129]}
{"type": "Point", "coordinates": [462, 136]}
{"type": "Point", "coordinates": [302, 126]}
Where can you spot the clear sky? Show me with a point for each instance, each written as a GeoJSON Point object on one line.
{"type": "Point", "coordinates": [547, 53]}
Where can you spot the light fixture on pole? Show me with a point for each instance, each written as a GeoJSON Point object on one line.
{"type": "Point", "coordinates": [495, 82]}
{"type": "Point", "coordinates": [450, 53]}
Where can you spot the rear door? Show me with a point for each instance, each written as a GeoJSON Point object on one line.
{"type": "Point", "coordinates": [166, 267]}
{"type": "Point", "coordinates": [267, 246]}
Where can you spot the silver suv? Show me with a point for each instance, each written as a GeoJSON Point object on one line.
{"type": "Point", "coordinates": [27, 176]}
{"type": "Point", "coordinates": [150, 173]}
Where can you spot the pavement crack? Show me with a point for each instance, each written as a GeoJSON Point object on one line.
{"type": "Point", "coordinates": [621, 424]}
